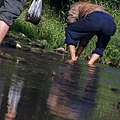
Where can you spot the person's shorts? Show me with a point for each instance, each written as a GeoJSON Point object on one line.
{"type": "Point", "coordinates": [11, 10]}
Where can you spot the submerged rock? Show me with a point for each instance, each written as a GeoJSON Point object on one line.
{"type": "Point", "coordinates": [115, 90]}
{"type": "Point", "coordinates": [60, 50]}
{"type": "Point", "coordinates": [20, 59]}
{"type": "Point", "coordinates": [39, 45]}
{"type": "Point", "coordinates": [37, 50]}
{"type": "Point", "coordinates": [14, 44]}
{"type": "Point", "coordinates": [6, 56]}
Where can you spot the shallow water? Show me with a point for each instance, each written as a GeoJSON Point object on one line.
{"type": "Point", "coordinates": [44, 88]}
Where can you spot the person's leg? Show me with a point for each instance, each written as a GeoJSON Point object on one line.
{"type": "Point", "coordinates": [101, 44]}
{"type": "Point", "coordinates": [93, 59]}
{"type": "Point", "coordinates": [104, 35]}
{"type": "Point", "coordinates": [9, 11]}
{"type": "Point", "coordinates": [3, 30]}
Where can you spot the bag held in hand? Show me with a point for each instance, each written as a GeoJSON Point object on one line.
{"type": "Point", "coordinates": [34, 13]}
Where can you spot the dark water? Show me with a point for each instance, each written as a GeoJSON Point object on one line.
{"type": "Point", "coordinates": [44, 88]}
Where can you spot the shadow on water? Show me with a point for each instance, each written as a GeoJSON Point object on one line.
{"type": "Point", "coordinates": [41, 87]}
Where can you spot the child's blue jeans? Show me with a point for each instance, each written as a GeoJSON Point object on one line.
{"type": "Point", "coordinates": [100, 23]}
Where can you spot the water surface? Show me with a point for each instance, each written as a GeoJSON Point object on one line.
{"type": "Point", "coordinates": [44, 88]}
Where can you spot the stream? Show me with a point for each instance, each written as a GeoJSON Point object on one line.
{"type": "Point", "coordinates": [42, 87]}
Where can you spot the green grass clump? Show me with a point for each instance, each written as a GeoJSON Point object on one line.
{"type": "Point", "coordinates": [50, 28]}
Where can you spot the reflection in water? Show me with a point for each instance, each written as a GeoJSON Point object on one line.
{"type": "Point", "coordinates": [66, 99]}
{"type": "Point", "coordinates": [74, 93]}
{"type": "Point", "coordinates": [14, 93]}
{"type": "Point", "coordinates": [14, 96]}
